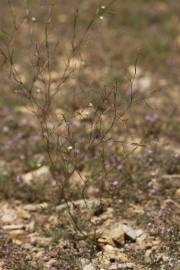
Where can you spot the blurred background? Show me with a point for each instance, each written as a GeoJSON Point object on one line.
{"type": "Point", "coordinates": [112, 71]}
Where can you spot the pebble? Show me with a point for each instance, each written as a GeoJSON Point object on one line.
{"type": "Point", "coordinates": [40, 176]}
{"type": "Point", "coordinates": [177, 194]}
{"type": "Point", "coordinates": [89, 267]}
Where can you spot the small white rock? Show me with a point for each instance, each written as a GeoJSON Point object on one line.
{"type": "Point", "coordinates": [39, 176]}
{"type": "Point", "coordinates": [89, 267]}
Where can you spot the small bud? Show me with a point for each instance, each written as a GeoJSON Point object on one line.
{"type": "Point", "coordinates": [70, 148]}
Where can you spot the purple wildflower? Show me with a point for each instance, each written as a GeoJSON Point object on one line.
{"type": "Point", "coordinates": [152, 117]}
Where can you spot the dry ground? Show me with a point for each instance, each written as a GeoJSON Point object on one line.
{"type": "Point", "coordinates": [133, 48]}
